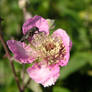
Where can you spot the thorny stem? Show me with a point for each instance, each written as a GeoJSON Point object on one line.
{"type": "Point", "coordinates": [11, 63]}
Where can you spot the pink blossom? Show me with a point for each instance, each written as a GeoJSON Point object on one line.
{"type": "Point", "coordinates": [46, 52]}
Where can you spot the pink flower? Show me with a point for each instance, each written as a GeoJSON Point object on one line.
{"type": "Point", "coordinates": [46, 53]}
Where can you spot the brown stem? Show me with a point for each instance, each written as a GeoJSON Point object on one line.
{"type": "Point", "coordinates": [11, 63]}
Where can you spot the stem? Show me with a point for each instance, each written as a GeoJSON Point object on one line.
{"type": "Point", "coordinates": [27, 83]}
{"type": "Point", "coordinates": [11, 63]}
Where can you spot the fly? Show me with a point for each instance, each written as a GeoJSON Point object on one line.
{"type": "Point", "coordinates": [30, 33]}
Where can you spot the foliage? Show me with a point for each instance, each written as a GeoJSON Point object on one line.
{"type": "Point", "coordinates": [75, 17]}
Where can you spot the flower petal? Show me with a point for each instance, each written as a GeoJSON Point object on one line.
{"type": "Point", "coordinates": [70, 44]}
{"type": "Point", "coordinates": [67, 43]}
{"type": "Point", "coordinates": [22, 52]}
{"type": "Point", "coordinates": [36, 21]}
{"type": "Point", "coordinates": [65, 61]}
{"type": "Point", "coordinates": [63, 35]}
{"type": "Point", "coordinates": [44, 75]}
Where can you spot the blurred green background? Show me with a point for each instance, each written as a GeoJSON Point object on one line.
{"type": "Point", "coordinates": [74, 16]}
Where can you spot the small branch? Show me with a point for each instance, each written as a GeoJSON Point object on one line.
{"type": "Point", "coordinates": [25, 86]}
{"type": "Point", "coordinates": [11, 63]}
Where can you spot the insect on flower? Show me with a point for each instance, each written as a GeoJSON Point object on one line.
{"type": "Point", "coordinates": [30, 33]}
{"type": "Point", "coordinates": [47, 53]}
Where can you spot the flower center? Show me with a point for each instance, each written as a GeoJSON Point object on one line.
{"type": "Point", "coordinates": [49, 48]}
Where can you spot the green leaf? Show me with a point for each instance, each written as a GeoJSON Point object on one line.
{"type": "Point", "coordinates": [78, 60]}
{"type": "Point", "coordinates": [59, 89]}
